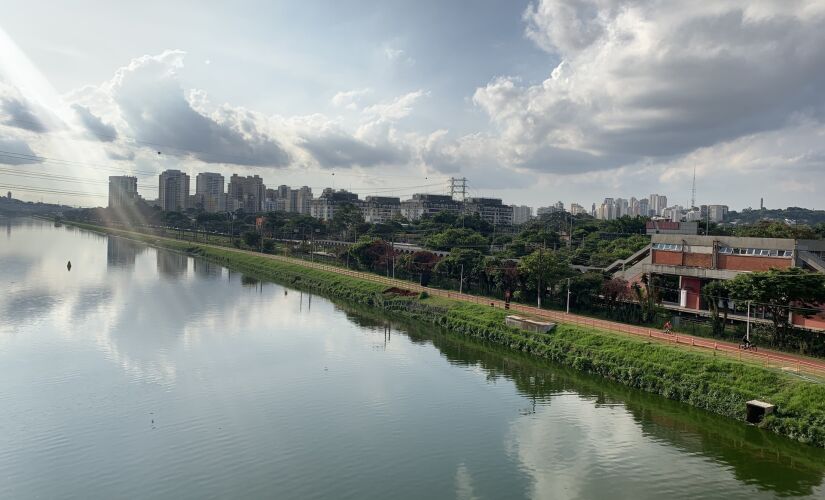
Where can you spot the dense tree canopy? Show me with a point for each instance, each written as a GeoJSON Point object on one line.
{"type": "Point", "coordinates": [463, 261]}
{"type": "Point", "coordinates": [778, 292]}
{"type": "Point", "coordinates": [457, 238]}
{"type": "Point", "coordinates": [774, 229]}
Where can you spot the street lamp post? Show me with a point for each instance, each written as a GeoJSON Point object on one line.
{"type": "Point", "coordinates": [568, 295]}
{"type": "Point", "coordinates": [748, 329]}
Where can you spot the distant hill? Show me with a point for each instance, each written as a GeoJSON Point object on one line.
{"type": "Point", "coordinates": [795, 215]}
{"type": "Point", "coordinates": [13, 207]}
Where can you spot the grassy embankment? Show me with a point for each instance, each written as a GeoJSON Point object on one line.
{"type": "Point", "coordinates": [715, 384]}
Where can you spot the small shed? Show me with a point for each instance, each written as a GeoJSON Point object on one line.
{"type": "Point", "coordinates": [529, 325]}
{"type": "Point", "coordinates": [757, 410]}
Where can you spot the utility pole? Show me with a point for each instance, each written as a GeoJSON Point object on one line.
{"type": "Point", "coordinates": [748, 330]}
{"type": "Point", "coordinates": [461, 280]}
{"type": "Point", "coordinates": [568, 295]}
{"type": "Point", "coordinates": [538, 275]}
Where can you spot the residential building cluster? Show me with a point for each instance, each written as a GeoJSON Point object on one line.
{"type": "Point", "coordinates": [656, 206]}
{"type": "Point", "coordinates": [250, 194]}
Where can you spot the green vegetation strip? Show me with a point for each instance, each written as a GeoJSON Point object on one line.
{"type": "Point", "coordinates": [715, 384]}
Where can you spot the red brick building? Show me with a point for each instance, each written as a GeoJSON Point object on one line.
{"type": "Point", "coordinates": [697, 260]}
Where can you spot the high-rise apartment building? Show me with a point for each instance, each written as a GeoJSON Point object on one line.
{"type": "Point", "coordinates": [325, 205]}
{"type": "Point", "coordinates": [173, 190]}
{"type": "Point", "coordinates": [490, 210]}
{"type": "Point", "coordinates": [656, 204]}
{"type": "Point", "coordinates": [209, 192]}
{"type": "Point", "coordinates": [378, 209]}
{"type": "Point", "coordinates": [522, 214]}
{"type": "Point", "coordinates": [247, 193]}
{"type": "Point", "coordinates": [644, 207]}
{"type": "Point", "coordinates": [422, 204]}
{"type": "Point", "coordinates": [607, 210]}
{"type": "Point", "coordinates": [122, 191]}
{"type": "Point", "coordinates": [302, 199]}
{"type": "Point", "coordinates": [717, 213]}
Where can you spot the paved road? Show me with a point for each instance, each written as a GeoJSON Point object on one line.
{"type": "Point", "coordinates": [764, 357]}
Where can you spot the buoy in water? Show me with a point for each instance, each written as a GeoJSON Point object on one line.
{"type": "Point", "coordinates": [69, 265]}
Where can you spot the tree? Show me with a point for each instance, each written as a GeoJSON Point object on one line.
{"type": "Point", "coordinates": [779, 292]}
{"type": "Point", "coordinates": [541, 270]}
{"type": "Point", "coordinates": [251, 238]}
{"type": "Point", "coordinates": [456, 238]}
{"type": "Point", "coordinates": [501, 274]}
{"type": "Point", "coordinates": [421, 264]}
{"type": "Point", "coordinates": [462, 262]}
{"type": "Point", "coordinates": [347, 217]}
{"type": "Point", "coordinates": [647, 297]}
{"type": "Point", "coordinates": [616, 291]}
{"type": "Point", "coordinates": [474, 222]}
{"type": "Point", "coordinates": [385, 230]}
{"type": "Point", "coordinates": [774, 229]}
{"type": "Point", "coordinates": [714, 293]}
{"type": "Point", "coordinates": [584, 288]}
{"type": "Point", "coordinates": [269, 246]}
{"type": "Point", "coordinates": [372, 254]}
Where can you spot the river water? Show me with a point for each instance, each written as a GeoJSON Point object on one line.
{"type": "Point", "coordinates": [141, 373]}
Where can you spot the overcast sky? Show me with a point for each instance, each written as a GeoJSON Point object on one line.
{"type": "Point", "coordinates": [533, 101]}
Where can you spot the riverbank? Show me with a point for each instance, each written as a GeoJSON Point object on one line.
{"type": "Point", "coordinates": [702, 380]}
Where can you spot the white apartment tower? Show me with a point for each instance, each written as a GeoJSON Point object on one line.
{"type": "Point", "coordinates": [209, 191]}
{"type": "Point", "coordinates": [173, 190]}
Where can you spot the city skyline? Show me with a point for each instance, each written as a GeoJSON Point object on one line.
{"type": "Point", "coordinates": [364, 102]}
{"type": "Point", "coordinates": [251, 195]}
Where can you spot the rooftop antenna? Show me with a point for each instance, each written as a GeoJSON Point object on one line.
{"type": "Point", "coordinates": [693, 190]}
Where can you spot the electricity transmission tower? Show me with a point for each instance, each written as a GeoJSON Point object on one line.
{"type": "Point", "coordinates": [458, 186]}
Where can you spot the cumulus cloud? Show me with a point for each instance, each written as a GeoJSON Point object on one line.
{"type": "Point", "coordinates": [396, 109]}
{"type": "Point", "coordinates": [339, 149]}
{"type": "Point", "coordinates": [350, 99]}
{"type": "Point", "coordinates": [374, 142]}
{"type": "Point", "coordinates": [16, 152]}
{"type": "Point", "coordinates": [20, 115]}
{"type": "Point", "coordinates": [643, 80]}
{"type": "Point", "coordinates": [154, 108]}
{"type": "Point", "coordinates": [329, 144]}
{"type": "Point", "coordinates": [396, 55]}
{"type": "Point", "coordinates": [100, 130]}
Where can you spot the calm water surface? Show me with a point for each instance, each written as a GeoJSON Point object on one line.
{"type": "Point", "coordinates": [142, 373]}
